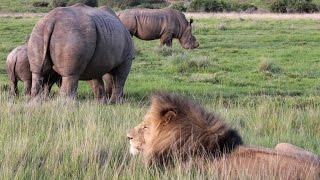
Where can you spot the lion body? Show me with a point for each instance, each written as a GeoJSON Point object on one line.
{"type": "Point", "coordinates": [177, 129]}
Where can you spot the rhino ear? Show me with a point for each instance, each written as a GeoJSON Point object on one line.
{"type": "Point", "coordinates": [191, 21]}
{"type": "Point", "coordinates": [168, 115]}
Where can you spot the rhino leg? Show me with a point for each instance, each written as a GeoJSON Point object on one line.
{"type": "Point", "coordinates": [97, 87]}
{"type": "Point", "coordinates": [50, 80]}
{"type": "Point", "coordinates": [108, 84]}
{"type": "Point", "coordinates": [36, 89]}
{"type": "Point", "coordinates": [27, 87]}
{"type": "Point", "coordinates": [14, 87]}
{"type": "Point", "coordinates": [119, 77]}
{"type": "Point", "coordinates": [166, 39]}
{"type": "Point", "coordinates": [69, 86]}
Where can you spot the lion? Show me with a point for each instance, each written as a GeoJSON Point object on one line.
{"type": "Point", "coordinates": [176, 129]}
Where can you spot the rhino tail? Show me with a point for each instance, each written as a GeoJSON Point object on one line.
{"type": "Point", "coordinates": [48, 30]}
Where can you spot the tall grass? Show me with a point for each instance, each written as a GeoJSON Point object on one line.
{"type": "Point", "coordinates": [233, 72]}
{"type": "Point", "coordinates": [84, 139]}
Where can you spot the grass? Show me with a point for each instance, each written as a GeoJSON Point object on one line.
{"type": "Point", "coordinates": [26, 5]}
{"type": "Point", "coordinates": [261, 75]}
{"type": "Point", "coordinates": [22, 6]}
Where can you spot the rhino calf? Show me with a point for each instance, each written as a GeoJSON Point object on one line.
{"type": "Point", "coordinates": [163, 24]}
{"type": "Point", "coordinates": [18, 68]}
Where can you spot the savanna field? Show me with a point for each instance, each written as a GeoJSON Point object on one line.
{"type": "Point", "coordinates": [260, 72]}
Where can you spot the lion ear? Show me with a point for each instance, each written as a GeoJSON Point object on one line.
{"type": "Point", "coordinates": [169, 116]}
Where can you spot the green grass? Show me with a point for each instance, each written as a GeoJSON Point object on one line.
{"type": "Point", "coordinates": [26, 5]}
{"type": "Point", "coordinates": [22, 6]}
{"type": "Point", "coordinates": [261, 75]}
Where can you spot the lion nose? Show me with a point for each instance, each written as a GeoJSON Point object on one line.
{"type": "Point", "coordinates": [129, 137]}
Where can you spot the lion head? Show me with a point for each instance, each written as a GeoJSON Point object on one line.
{"type": "Point", "coordinates": [177, 126]}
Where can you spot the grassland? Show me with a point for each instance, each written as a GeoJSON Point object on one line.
{"type": "Point", "coordinates": [26, 5]}
{"type": "Point", "coordinates": [260, 74]}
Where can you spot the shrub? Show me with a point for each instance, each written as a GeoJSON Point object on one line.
{"type": "Point", "coordinates": [243, 7]}
{"type": "Point", "coordinates": [63, 3]}
{"type": "Point", "coordinates": [293, 6]}
{"type": "Point", "coordinates": [153, 5]}
{"type": "Point", "coordinates": [122, 4]}
{"type": "Point", "coordinates": [40, 4]}
{"type": "Point", "coordinates": [207, 5]}
{"type": "Point", "coordinates": [266, 66]}
{"type": "Point", "coordinates": [92, 3]}
{"type": "Point", "coordinates": [180, 6]}
{"type": "Point", "coordinates": [59, 3]}
{"type": "Point", "coordinates": [219, 6]}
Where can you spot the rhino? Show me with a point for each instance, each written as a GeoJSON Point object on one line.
{"type": "Point", "coordinates": [80, 43]}
{"type": "Point", "coordinates": [18, 68]}
{"type": "Point", "coordinates": [164, 24]}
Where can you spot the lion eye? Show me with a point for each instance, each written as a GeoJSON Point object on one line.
{"type": "Point", "coordinates": [144, 127]}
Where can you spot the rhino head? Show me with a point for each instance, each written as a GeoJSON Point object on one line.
{"type": "Point", "coordinates": [187, 40]}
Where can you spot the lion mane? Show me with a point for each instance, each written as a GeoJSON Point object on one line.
{"type": "Point", "coordinates": [176, 128]}
{"type": "Point", "coordinates": [188, 129]}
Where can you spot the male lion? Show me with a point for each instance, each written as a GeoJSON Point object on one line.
{"type": "Point", "coordinates": [178, 130]}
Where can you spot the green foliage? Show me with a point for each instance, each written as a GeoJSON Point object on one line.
{"type": "Point", "coordinates": [293, 6]}
{"type": "Point", "coordinates": [180, 6]}
{"type": "Point", "coordinates": [208, 5]}
{"type": "Point", "coordinates": [92, 3]}
{"type": "Point", "coordinates": [219, 6]}
{"type": "Point", "coordinates": [122, 4]}
{"type": "Point", "coordinates": [62, 3]}
{"type": "Point", "coordinates": [266, 66]}
{"type": "Point", "coordinates": [59, 3]}
{"type": "Point", "coordinates": [40, 4]}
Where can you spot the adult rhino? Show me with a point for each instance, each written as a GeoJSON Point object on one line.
{"type": "Point", "coordinates": [163, 24]}
{"type": "Point", "coordinates": [18, 68]}
{"type": "Point", "coordinates": [80, 43]}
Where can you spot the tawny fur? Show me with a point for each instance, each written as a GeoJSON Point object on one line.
{"type": "Point", "coordinates": [177, 129]}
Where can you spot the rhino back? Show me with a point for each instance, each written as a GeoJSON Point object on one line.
{"type": "Point", "coordinates": [150, 24]}
{"type": "Point", "coordinates": [22, 68]}
{"type": "Point", "coordinates": [18, 65]}
{"type": "Point", "coordinates": [82, 39]}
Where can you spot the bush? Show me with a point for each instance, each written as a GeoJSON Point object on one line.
{"type": "Point", "coordinates": [92, 3]}
{"type": "Point", "coordinates": [242, 7]}
{"type": "Point", "coordinates": [267, 66]}
{"type": "Point", "coordinates": [122, 4]}
{"type": "Point", "coordinates": [180, 6]}
{"type": "Point", "coordinates": [293, 6]}
{"type": "Point", "coordinates": [59, 3]}
{"type": "Point", "coordinates": [40, 4]}
{"type": "Point", "coordinates": [207, 5]}
{"type": "Point", "coordinates": [63, 3]}
{"type": "Point", "coordinates": [219, 6]}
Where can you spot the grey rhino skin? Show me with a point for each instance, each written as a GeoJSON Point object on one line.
{"type": "Point", "coordinates": [163, 24]}
{"type": "Point", "coordinates": [80, 43]}
{"type": "Point", "coordinates": [18, 68]}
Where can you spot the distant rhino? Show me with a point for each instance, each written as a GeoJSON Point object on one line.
{"type": "Point", "coordinates": [80, 43]}
{"type": "Point", "coordinates": [163, 24]}
{"type": "Point", "coordinates": [18, 68]}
